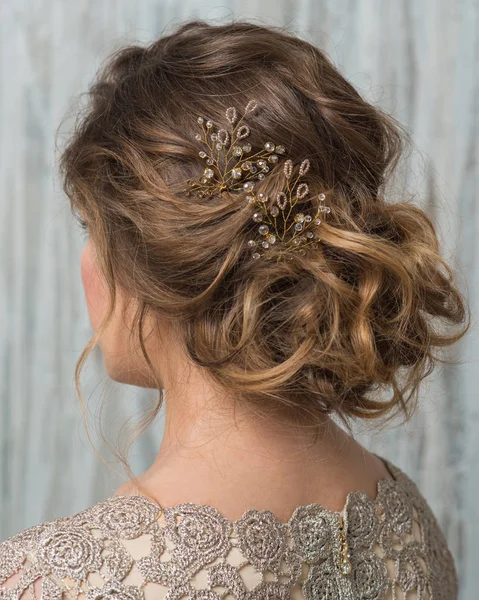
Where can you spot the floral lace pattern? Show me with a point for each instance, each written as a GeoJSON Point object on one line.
{"type": "Point", "coordinates": [128, 548]}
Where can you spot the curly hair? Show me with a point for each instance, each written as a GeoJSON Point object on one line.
{"type": "Point", "coordinates": [326, 333]}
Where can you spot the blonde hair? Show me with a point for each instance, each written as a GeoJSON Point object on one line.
{"type": "Point", "coordinates": [304, 338]}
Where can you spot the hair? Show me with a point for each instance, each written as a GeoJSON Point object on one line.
{"type": "Point", "coordinates": [319, 334]}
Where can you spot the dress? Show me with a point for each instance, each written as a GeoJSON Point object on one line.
{"type": "Point", "coordinates": [127, 548]}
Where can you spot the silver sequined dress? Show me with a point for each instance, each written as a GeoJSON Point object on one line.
{"type": "Point", "coordinates": [126, 548]}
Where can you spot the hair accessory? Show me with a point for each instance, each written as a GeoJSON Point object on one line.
{"type": "Point", "coordinates": [231, 167]}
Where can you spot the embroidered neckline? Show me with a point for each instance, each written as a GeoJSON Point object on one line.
{"type": "Point", "coordinates": [382, 485]}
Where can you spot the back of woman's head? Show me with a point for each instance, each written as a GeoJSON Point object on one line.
{"type": "Point", "coordinates": [333, 330]}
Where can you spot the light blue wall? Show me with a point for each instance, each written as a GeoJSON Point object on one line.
{"type": "Point", "coordinates": [416, 58]}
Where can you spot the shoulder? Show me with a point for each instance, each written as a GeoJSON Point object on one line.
{"type": "Point", "coordinates": [407, 511]}
{"type": "Point", "coordinates": [63, 555]}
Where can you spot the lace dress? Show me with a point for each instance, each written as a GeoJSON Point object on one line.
{"type": "Point", "coordinates": [127, 548]}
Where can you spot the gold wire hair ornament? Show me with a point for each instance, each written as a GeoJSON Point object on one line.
{"type": "Point", "coordinates": [231, 167]}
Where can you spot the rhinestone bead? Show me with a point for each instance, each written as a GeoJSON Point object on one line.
{"type": "Point", "coordinates": [274, 211]}
{"type": "Point", "coordinates": [250, 198]}
{"type": "Point", "coordinates": [248, 185]}
{"type": "Point", "coordinates": [214, 136]}
{"type": "Point", "coordinates": [202, 154]}
{"type": "Point", "coordinates": [237, 151]}
{"type": "Point", "coordinates": [309, 234]}
{"type": "Point", "coordinates": [200, 120]}
{"type": "Point", "coordinates": [251, 243]}
{"type": "Point", "coordinates": [198, 136]}
{"type": "Point", "coordinates": [271, 238]}
{"type": "Point", "coordinates": [246, 165]}
{"type": "Point", "coordinates": [273, 158]}
{"type": "Point", "coordinates": [297, 241]}
{"type": "Point", "coordinates": [261, 176]}
{"type": "Point", "coordinates": [204, 180]}
{"type": "Point", "coordinates": [263, 229]}
{"type": "Point", "coordinates": [298, 226]}
{"type": "Point", "coordinates": [265, 244]}
{"type": "Point", "coordinates": [308, 218]}
{"type": "Point", "coordinates": [253, 169]}
{"type": "Point", "coordinates": [209, 123]}
{"type": "Point", "coordinates": [280, 149]}
{"type": "Point", "coordinates": [236, 173]}
{"type": "Point", "coordinates": [317, 221]}
{"type": "Point", "coordinates": [247, 147]}
{"type": "Point", "coordinates": [256, 255]}
{"type": "Point", "coordinates": [219, 146]}
{"type": "Point", "coordinates": [269, 147]}
{"type": "Point", "coordinates": [257, 217]}
{"type": "Point", "coordinates": [322, 197]}
{"type": "Point", "coordinates": [261, 163]}
{"type": "Point", "coordinates": [209, 161]}
{"type": "Point", "coordinates": [299, 218]}
{"type": "Point", "coordinates": [209, 173]}
{"type": "Point", "coordinates": [262, 197]}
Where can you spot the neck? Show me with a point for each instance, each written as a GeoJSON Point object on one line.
{"type": "Point", "coordinates": [217, 451]}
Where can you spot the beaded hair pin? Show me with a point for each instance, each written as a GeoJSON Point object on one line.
{"type": "Point", "coordinates": [231, 167]}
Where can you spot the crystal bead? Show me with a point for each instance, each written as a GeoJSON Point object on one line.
{"type": "Point", "coordinates": [256, 255]}
{"type": "Point", "coordinates": [253, 169]}
{"type": "Point", "coordinates": [265, 244]}
{"type": "Point", "coordinates": [251, 243]}
{"type": "Point", "coordinates": [237, 151]}
{"type": "Point", "coordinates": [280, 149]}
{"type": "Point", "coordinates": [346, 567]}
{"type": "Point", "coordinates": [209, 161]}
{"type": "Point", "coordinates": [273, 158]}
{"type": "Point", "coordinates": [266, 168]}
{"type": "Point", "coordinates": [262, 197]}
{"type": "Point", "coordinates": [261, 163]}
{"type": "Point", "coordinates": [308, 218]}
{"type": "Point", "coordinates": [248, 185]}
{"type": "Point", "coordinates": [321, 197]}
{"type": "Point", "coordinates": [200, 120]}
{"type": "Point", "coordinates": [209, 173]}
{"type": "Point", "coordinates": [271, 238]}
{"type": "Point", "coordinates": [250, 198]}
{"type": "Point", "coordinates": [269, 147]}
{"type": "Point", "coordinates": [274, 211]}
{"type": "Point", "coordinates": [214, 136]}
{"type": "Point", "coordinates": [297, 241]}
{"type": "Point", "coordinates": [257, 217]}
{"type": "Point", "coordinates": [198, 136]}
{"type": "Point", "coordinates": [261, 176]}
{"type": "Point", "coordinates": [299, 218]}
{"type": "Point", "coordinates": [219, 146]}
{"type": "Point", "coordinates": [246, 165]}
{"type": "Point", "coordinates": [317, 221]}
{"type": "Point", "coordinates": [309, 234]}
{"type": "Point", "coordinates": [209, 123]}
{"type": "Point", "coordinates": [263, 229]}
{"type": "Point", "coordinates": [247, 147]}
{"type": "Point", "coordinates": [236, 173]}
{"type": "Point", "coordinates": [204, 180]}
{"type": "Point", "coordinates": [325, 209]}
{"type": "Point", "coordinates": [298, 226]}
{"type": "Point", "coordinates": [202, 154]}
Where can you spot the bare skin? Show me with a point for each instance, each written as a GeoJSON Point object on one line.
{"type": "Point", "coordinates": [215, 452]}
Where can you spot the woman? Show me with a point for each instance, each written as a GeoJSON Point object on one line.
{"type": "Point", "coordinates": [244, 260]}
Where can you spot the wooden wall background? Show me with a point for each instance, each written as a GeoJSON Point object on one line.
{"type": "Point", "coordinates": [418, 59]}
